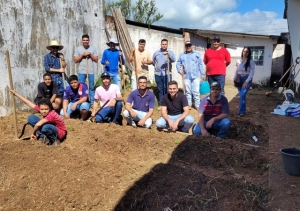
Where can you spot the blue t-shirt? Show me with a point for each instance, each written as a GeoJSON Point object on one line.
{"type": "Point", "coordinates": [73, 95]}
{"type": "Point", "coordinates": [211, 110]}
{"type": "Point", "coordinates": [141, 103]}
{"type": "Point", "coordinates": [112, 56]}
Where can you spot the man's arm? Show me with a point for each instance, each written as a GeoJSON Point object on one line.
{"type": "Point", "coordinates": [78, 58]}
{"type": "Point", "coordinates": [172, 56]}
{"type": "Point", "coordinates": [131, 54]}
{"type": "Point", "coordinates": [186, 112]}
{"type": "Point", "coordinates": [65, 107]}
{"type": "Point", "coordinates": [38, 125]}
{"type": "Point", "coordinates": [53, 98]}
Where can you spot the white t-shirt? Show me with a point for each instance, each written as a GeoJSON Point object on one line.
{"type": "Point", "coordinates": [80, 50]}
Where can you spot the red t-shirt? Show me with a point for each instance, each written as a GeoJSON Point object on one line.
{"type": "Point", "coordinates": [56, 120]}
{"type": "Point", "coordinates": [215, 61]}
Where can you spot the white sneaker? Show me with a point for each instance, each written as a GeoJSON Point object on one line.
{"type": "Point", "coordinates": [133, 123]}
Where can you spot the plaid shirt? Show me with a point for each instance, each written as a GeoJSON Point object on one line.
{"type": "Point", "coordinates": [51, 61]}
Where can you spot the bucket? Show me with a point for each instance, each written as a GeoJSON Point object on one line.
{"type": "Point", "coordinates": [291, 160]}
{"type": "Point", "coordinates": [204, 88]}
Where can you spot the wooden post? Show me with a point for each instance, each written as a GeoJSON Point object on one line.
{"type": "Point", "coordinates": [63, 74]}
{"type": "Point", "coordinates": [87, 74]}
{"type": "Point", "coordinates": [11, 94]}
{"type": "Point", "coordinates": [168, 65]}
{"type": "Point", "coordinates": [135, 68]}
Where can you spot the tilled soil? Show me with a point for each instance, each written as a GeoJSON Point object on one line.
{"type": "Point", "coordinates": [110, 167]}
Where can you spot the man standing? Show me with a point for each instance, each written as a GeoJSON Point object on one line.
{"type": "Point", "coordinates": [83, 53]}
{"type": "Point", "coordinates": [76, 99]}
{"type": "Point", "coordinates": [175, 110]}
{"type": "Point", "coordinates": [213, 113]}
{"type": "Point", "coordinates": [216, 60]}
{"type": "Point", "coordinates": [108, 92]}
{"type": "Point", "coordinates": [139, 106]}
{"type": "Point", "coordinates": [189, 65]}
{"type": "Point", "coordinates": [54, 67]}
{"type": "Point", "coordinates": [160, 59]}
{"type": "Point", "coordinates": [110, 59]}
{"type": "Point", "coordinates": [143, 59]}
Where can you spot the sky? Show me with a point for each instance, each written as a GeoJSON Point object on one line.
{"type": "Point", "coordinates": [245, 16]}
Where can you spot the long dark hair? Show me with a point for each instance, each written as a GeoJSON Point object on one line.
{"type": "Point", "coordinates": [247, 64]}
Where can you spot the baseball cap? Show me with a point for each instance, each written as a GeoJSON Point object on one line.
{"type": "Point", "coordinates": [215, 84]}
{"type": "Point", "coordinates": [188, 42]}
{"type": "Point", "coordinates": [103, 75]}
{"type": "Point", "coordinates": [216, 38]}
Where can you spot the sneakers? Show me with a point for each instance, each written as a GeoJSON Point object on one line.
{"type": "Point", "coordinates": [44, 140]}
{"type": "Point", "coordinates": [133, 123]}
{"type": "Point", "coordinates": [56, 142]}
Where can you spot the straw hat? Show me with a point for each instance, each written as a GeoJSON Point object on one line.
{"type": "Point", "coordinates": [54, 43]}
{"type": "Point", "coordinates": [112, 40]}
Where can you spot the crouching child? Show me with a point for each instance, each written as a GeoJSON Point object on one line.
{"type": "Point", "coordinates": [76, 99]}
{"type": "Point", "coordinates": [50, 129]}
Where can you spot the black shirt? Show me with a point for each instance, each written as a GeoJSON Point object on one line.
{"type": "Point", "coordinates": [174, 106]}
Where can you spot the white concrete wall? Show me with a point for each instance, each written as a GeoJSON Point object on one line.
{"type": "Point", "coordinates": [293, 17]}
{"type": "Point", "coordinates": [26, 28]}
{"type": "Point", "coordinates": [278, 59]}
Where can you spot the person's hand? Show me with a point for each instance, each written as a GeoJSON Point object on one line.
{"type": "Point", "coordinates": [165, 53]}
{"type": "Point", "coordinates": [73, 107]}
{"type": "Point", "coordinates": [175, 125]}
{"type": "Point", "coordinates": [67, 116]}
{"type": "Point", "coordinates": [181, 73]}
{"type": "Point", "coordinates": [106, 62]}
{"type": "Point", "coordinates": [210, 123]}
{"type": "Point", "coordinates": [13, 91]}
{"type": "Point", "coordinates": [120, 53]}
{"type": "Point", "coordinates": [62, 70]}
{"type": "Point", "coordinates": [33, 137]}
{"type": "Point", "coordinates": [142, 122]}
{"type": "Point", "coordinates": [54, 105]}
{"type": "Point", "coordinates": [204, 132]}
{"type": "Point", "coordinates": [132, 113]}
{"type": "Point", "coordinates": [245, 84]}
{"type": "Point", "coordinates": [93, 114]}
{"type": "Point", "coordinates": [86, 54]}
{"type": "Point", "coordinates": [202, 78]}
{"type": "Point", "coordinates": [132, 49]}
{"type": "Point", "coordinates": [112, 103]}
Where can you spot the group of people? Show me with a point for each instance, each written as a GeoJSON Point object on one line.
{"type": "Point", "coordinates": [75, 98]}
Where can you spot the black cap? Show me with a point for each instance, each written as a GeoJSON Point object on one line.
{"type": "Point", "coordinates": [215, 84]}
{"type": "Point", "coordinates": [188, 43]}
{"type": "Point", "coordinates": [216, 38]}
{"type": "Point", "coordinates": [104, 75]}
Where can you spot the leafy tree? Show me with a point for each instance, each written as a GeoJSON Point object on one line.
{"type": "Point", "coordinates": [144, 11]}
{"type": "Point", "coordinates": [125, 6]}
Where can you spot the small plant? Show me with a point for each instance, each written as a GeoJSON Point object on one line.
{"type": "Point", "coordinates": [176, 141]}
{"type": "Point", "coordinates": [72, 128]}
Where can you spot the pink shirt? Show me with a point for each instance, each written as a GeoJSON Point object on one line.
{"type": "Point", "coordinates": [56, 120]}
{"type": "Point", "coordinates": [107, 94]}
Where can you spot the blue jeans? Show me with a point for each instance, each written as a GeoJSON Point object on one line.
{"type": "Point", "coordinates": [192, 90]}
{"type": "Point", "coordinates": [243, 93]}
{"type": "Point", "coordinates": [187, 122]}
{"type": "Point", "coordinates": [81, 79]}
{"type": "Point", "coordinates": [221, 126]}
{"type": "Point", "coordinates": [218, 78]}
{"type": "Point", "coordinates": [140, 115]}
{"type": "Point", "coordinates": [115, 77]}
{"type": "Point", "coordinates": [162, 85]}
{"type": "Point", "coordinates": [48, 130]}
{"type": "Point", "coordinates": [110, 114]}
{"type": "Point", "coordinates": [82, 106]}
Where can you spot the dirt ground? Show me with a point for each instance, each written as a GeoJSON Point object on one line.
{"type": "Point", "coordinates": [109, 167]}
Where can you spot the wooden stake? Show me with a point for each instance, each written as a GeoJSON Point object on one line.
{"type": "Point", "coordinates": [182, 77]}
{"type": "Point", "coordinates": [135, 68]}
{"type": "Point", "coordinates": [168, 65]}
{"type": "Point", "coordinates": [11, 94]}
{"type": "Point", "coordinates": [87, 73]}
{"type": "Point", "coordinates": [63, 74]}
